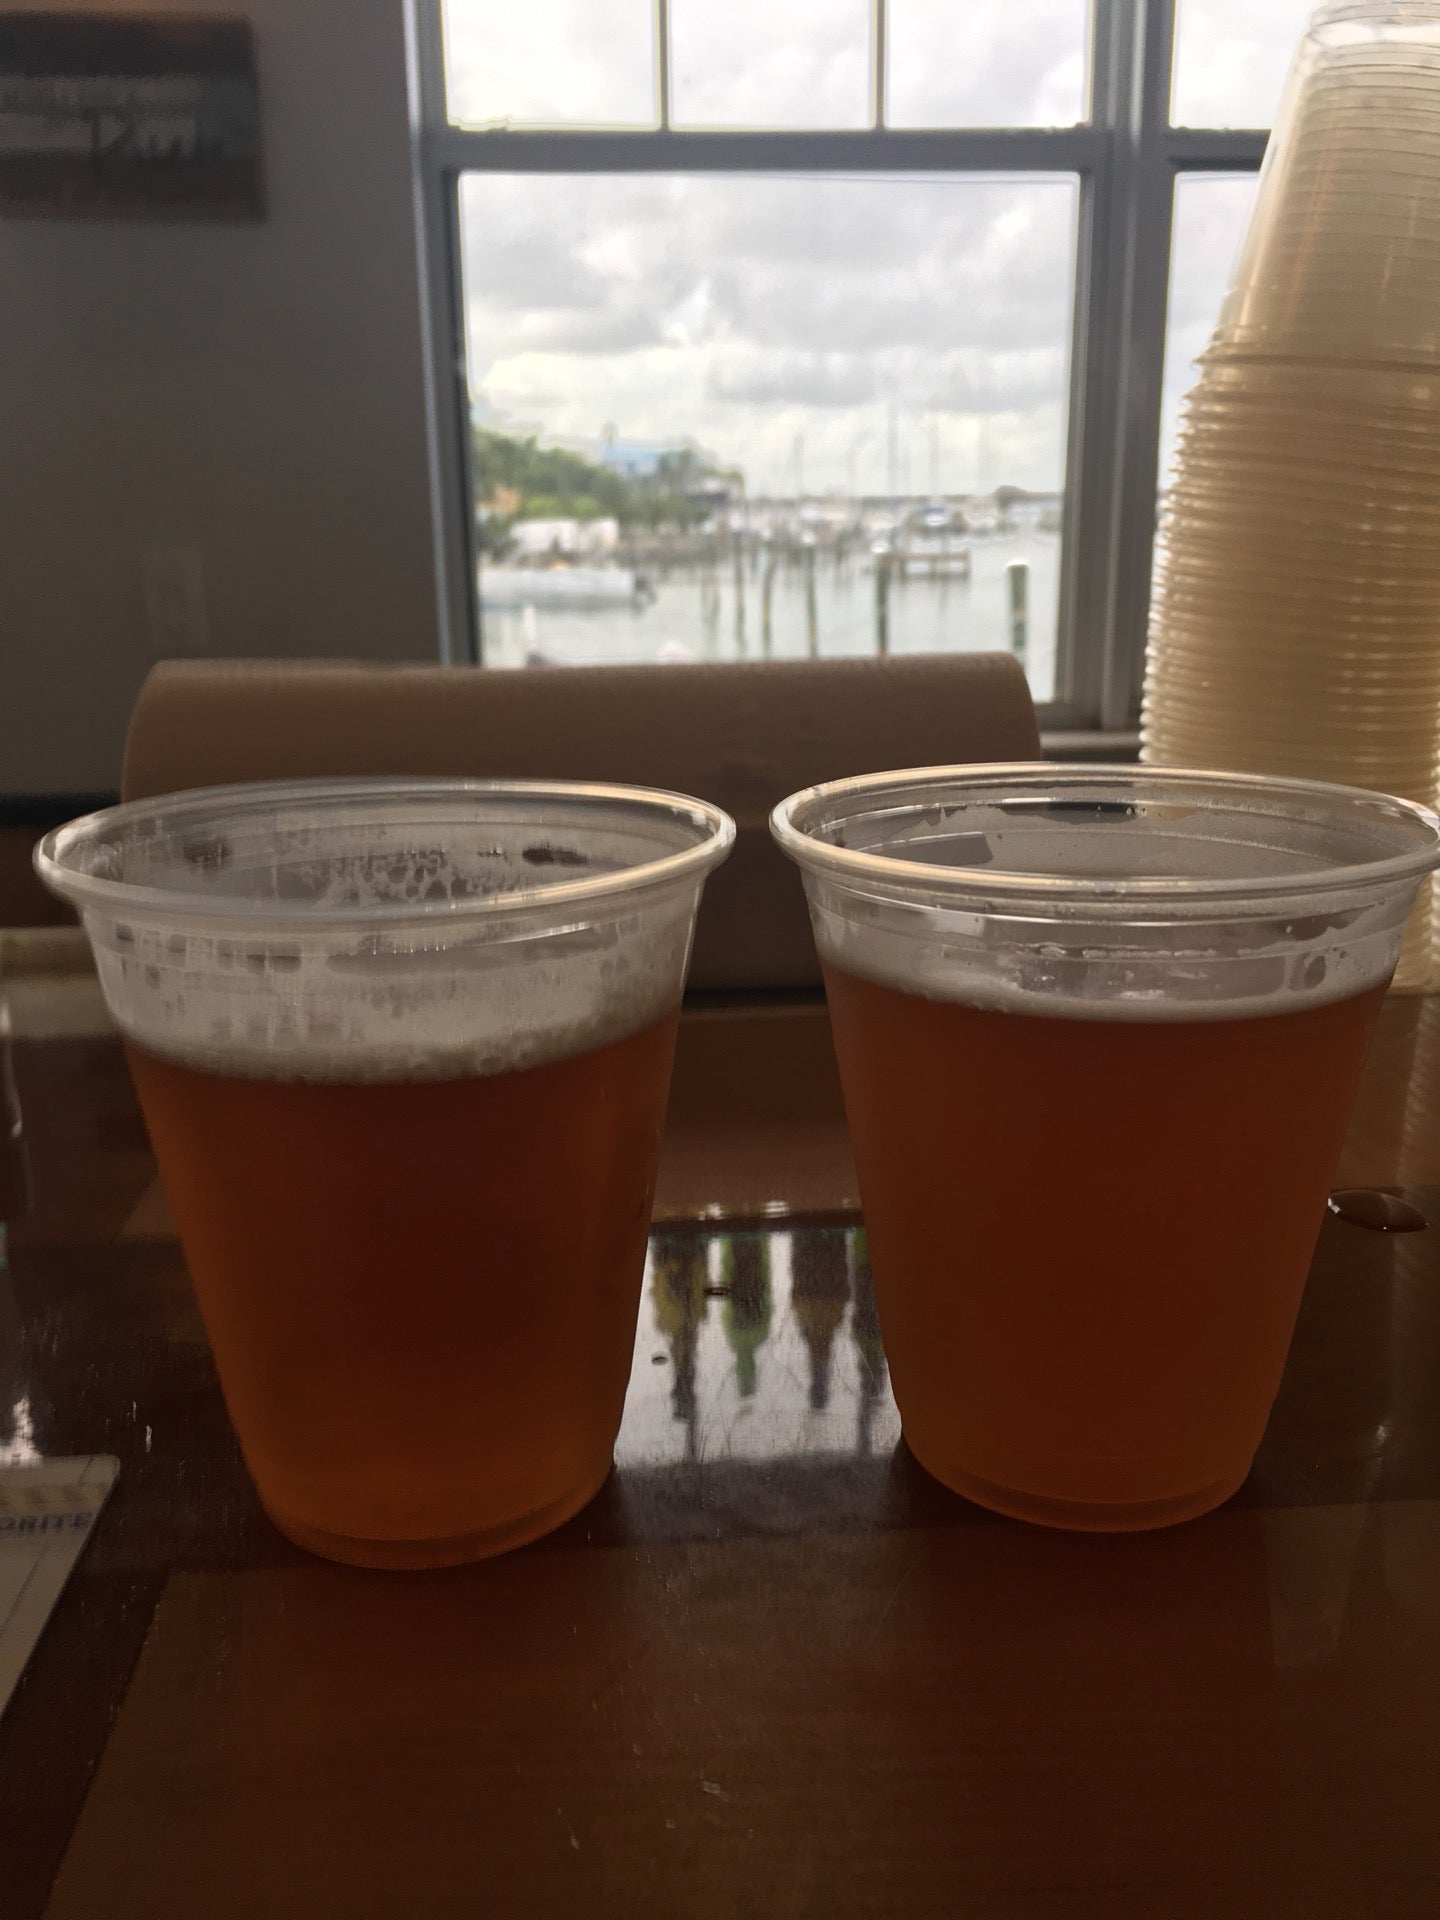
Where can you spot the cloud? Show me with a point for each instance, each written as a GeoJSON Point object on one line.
{"type": "Point", "coordinates": [1017, 64]}
{"type": "Point", "coordinates": [750, 314]}
{"type": "Point", "coordinates": [757, 63]}
{"type": "Point", "coordinates": [782, 320]}
{"type": "Point", "coordinates": [760, 378]}
{"type": "Point", "coordinates": [865, 261]}
{"type": "Point", "coordinates": [550, 61]}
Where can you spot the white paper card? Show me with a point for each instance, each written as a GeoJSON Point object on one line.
{"type": "Point", "coordinates": [47, 1511]}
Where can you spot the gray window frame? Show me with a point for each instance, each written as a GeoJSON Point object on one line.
{"type": "Point", "coordinates": [1126, 159]}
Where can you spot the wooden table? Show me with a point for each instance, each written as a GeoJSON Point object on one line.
{"type": "Point", "coordinates": [774, 1669]}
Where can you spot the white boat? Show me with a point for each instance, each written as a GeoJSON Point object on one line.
{"type": "Point", "coordinates": [562, 586]}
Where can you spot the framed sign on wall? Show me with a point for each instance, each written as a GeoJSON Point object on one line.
{"type": "Point", "coordinates": [128, 115]}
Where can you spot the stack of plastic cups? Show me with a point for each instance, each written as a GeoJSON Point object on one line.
{"type": "Point", "coordinates": [1295, 618]}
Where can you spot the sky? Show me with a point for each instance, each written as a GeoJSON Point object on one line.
{"type": "Point", "coordinates": [819, 334]}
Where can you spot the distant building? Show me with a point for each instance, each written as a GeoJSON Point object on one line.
{"type": "Point", "coordinates": [646, 459]}
{"type": "Point", "coordinates": [631, 459]}
{"type": "Point", "coordinates": [562, 539]}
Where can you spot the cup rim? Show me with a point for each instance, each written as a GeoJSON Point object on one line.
{"type": "Point", "coordinates": [790, 821]}
{"type": "Point", "coordinates": [89, 891]}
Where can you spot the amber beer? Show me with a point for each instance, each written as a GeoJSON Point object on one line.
{"type": "Point", "coordinates": [421, 1296]}
{"type": "Point", "coordinates": [1099, 1030]}
{"type": "Point", "coordinates": [403, 1047]}
{"type": "Point", "coordinates": [1090, 1236]}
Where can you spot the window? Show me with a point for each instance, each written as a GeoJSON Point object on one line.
{"type": "Point", "coordinates": [801, 327]}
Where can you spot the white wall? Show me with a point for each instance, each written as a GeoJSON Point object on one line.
{"type": "Point", "coordinates": [252, 391]}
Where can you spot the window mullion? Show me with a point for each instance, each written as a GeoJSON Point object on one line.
{"type": "Point", "coordinates": [425, 51]}
{"type": "Point", "coordinates": [1124, 352]}
{"type": "Point", "coordinates": [662, 61]}
{"type": "Point", "coordinates": [447, 397]}
{"type": "Point", "coordinates": [1215, 149]}
{"type": "Point", "coordinates": [1087, 151]}
{"type": "Point", "coordinates": [928, 150]}
{"type": "Point", "coordinates": [879, 24]}
{"type": "Point", "coordinates": [1150, 214]}
{"type": "Point", "coordinates": [1097, 366]}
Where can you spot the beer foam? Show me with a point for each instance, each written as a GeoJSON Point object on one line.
{"type": "Point", "coordinates": [1277, 936]}
{"type": "Point", "coordinates": [1226, 969]}
{"type": "Point", "coordinates": [337, 985]}
{"type": "Point", "coordinates": [368, 1011]}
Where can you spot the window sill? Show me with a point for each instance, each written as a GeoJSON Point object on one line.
{"type": "Point", "coordinates": [1089, 744]}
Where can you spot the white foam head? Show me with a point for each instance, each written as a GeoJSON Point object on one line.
{"type": "Point", "coordinates": [1109, 893]}
{"type": "Point", "coordinates": [389, 930]}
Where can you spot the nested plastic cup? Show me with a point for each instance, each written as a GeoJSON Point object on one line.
{"type": "Point", "coordinates": [1389, 642]}
{"type": "Point", "coordinates": [1378, 571]}
{"type": "Point", "coordinates": [1342, 248]}
{"type": "Point", "coordinates": [403, 1048]}
{"type": "Point", "coordinates": [1399, 545]}
{"type": "Point", "coordinates": [1099, 1031]}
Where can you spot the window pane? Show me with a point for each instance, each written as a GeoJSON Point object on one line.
{"type": "Point", "coordinates": [576, 63]}
{"type": "Point", "coordinates": [770, 63]}
{"type": "Point", "coordinates": [751, 392]}
{"type": "Point", "coordinates": [1211, 214]}
{"type": "Point", "coordinates": [1231, 58]}
{"type": "Point", "coordinates": [989, 63]}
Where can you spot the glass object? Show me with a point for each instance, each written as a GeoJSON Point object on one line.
{"type": "Point", "coordinates": [770, 63]}
{"type": "Point", "coordinates": [1162, 984]}
{"type": "Point", "coordinates": [1231, 58]}
{"type": "Point", "coordinates": [745, 395]}
{"type": "Point", "coordinates": [990, 63]}
{"type": "Point", "coordinates": [562, 63]}
{"type": "Point", "coordinates": [1211, 214]}
{"type": "Point", "coordinates": [403, 1049]}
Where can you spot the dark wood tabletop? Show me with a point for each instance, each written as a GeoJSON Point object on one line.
{"type": "Point", "coordinates": [774, 1669]}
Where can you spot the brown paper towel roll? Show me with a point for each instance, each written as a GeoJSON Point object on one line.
{"type": "Point", "coordinates": [742, 733]}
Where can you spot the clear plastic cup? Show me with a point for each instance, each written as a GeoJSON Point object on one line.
{"type": "Point", "coordinates": [1408, 766]}
{"type": "Point", "coordinates": [1310, 566]}
{"type": "Point", "coordinates": [1404, 527]}
{"type": "Point", "coordinates": [1194, 738]}
{"type": "Point", "coordinates": [1314, 562]}
{"type": "Point", "coordinates": [1099, 1031]}
{"type": "Point", "coordinates": [1401, 391]}
{"type": "Point", "coordinates": [1389, 650]}
{"type": "Point", "coordinates": [1380, 470]}
{"type": "Point", "coordinates": [403, 1048]}
{"type": "Point", "coordinates": [1365, 635]}
{"type": "Point", "coordinates": [1379, 466]}
{"type": "Point", "coordinates": [1343, 247]}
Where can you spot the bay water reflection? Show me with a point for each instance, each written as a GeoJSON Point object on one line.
{"type": "Point", "coordinates": [714, 612]}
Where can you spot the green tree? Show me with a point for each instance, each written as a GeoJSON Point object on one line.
{"type": "Point", "coordinates": [553, 484]}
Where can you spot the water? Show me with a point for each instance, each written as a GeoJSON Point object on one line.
{"type": "Point", "coordinates": [1378, 1208]}
{"type": "Point", "coordinates": [695, 614]}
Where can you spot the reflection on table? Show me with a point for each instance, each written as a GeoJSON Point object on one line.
{"type": "Point", "coordinates": [773, 1667]}
{"type": "Point", "coordinates": [756, 1346]}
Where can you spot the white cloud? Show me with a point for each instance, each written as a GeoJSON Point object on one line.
{"type": "Point", "coordinates": [748, 313]}
{"type": "Point", "coordinates": [783, 321]}
{"type": "Point", "coordinates": [770, 63]}
{"type": "Point", "coordinates": [1232, 57]}
{"type": "Point", "coordinates": [559, 61]}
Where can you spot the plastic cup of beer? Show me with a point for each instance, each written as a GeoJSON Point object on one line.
{"type": "Point", "coordinates": [1099, 1031]}
{"type": "Point", "coordinates": [403, 1048]}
